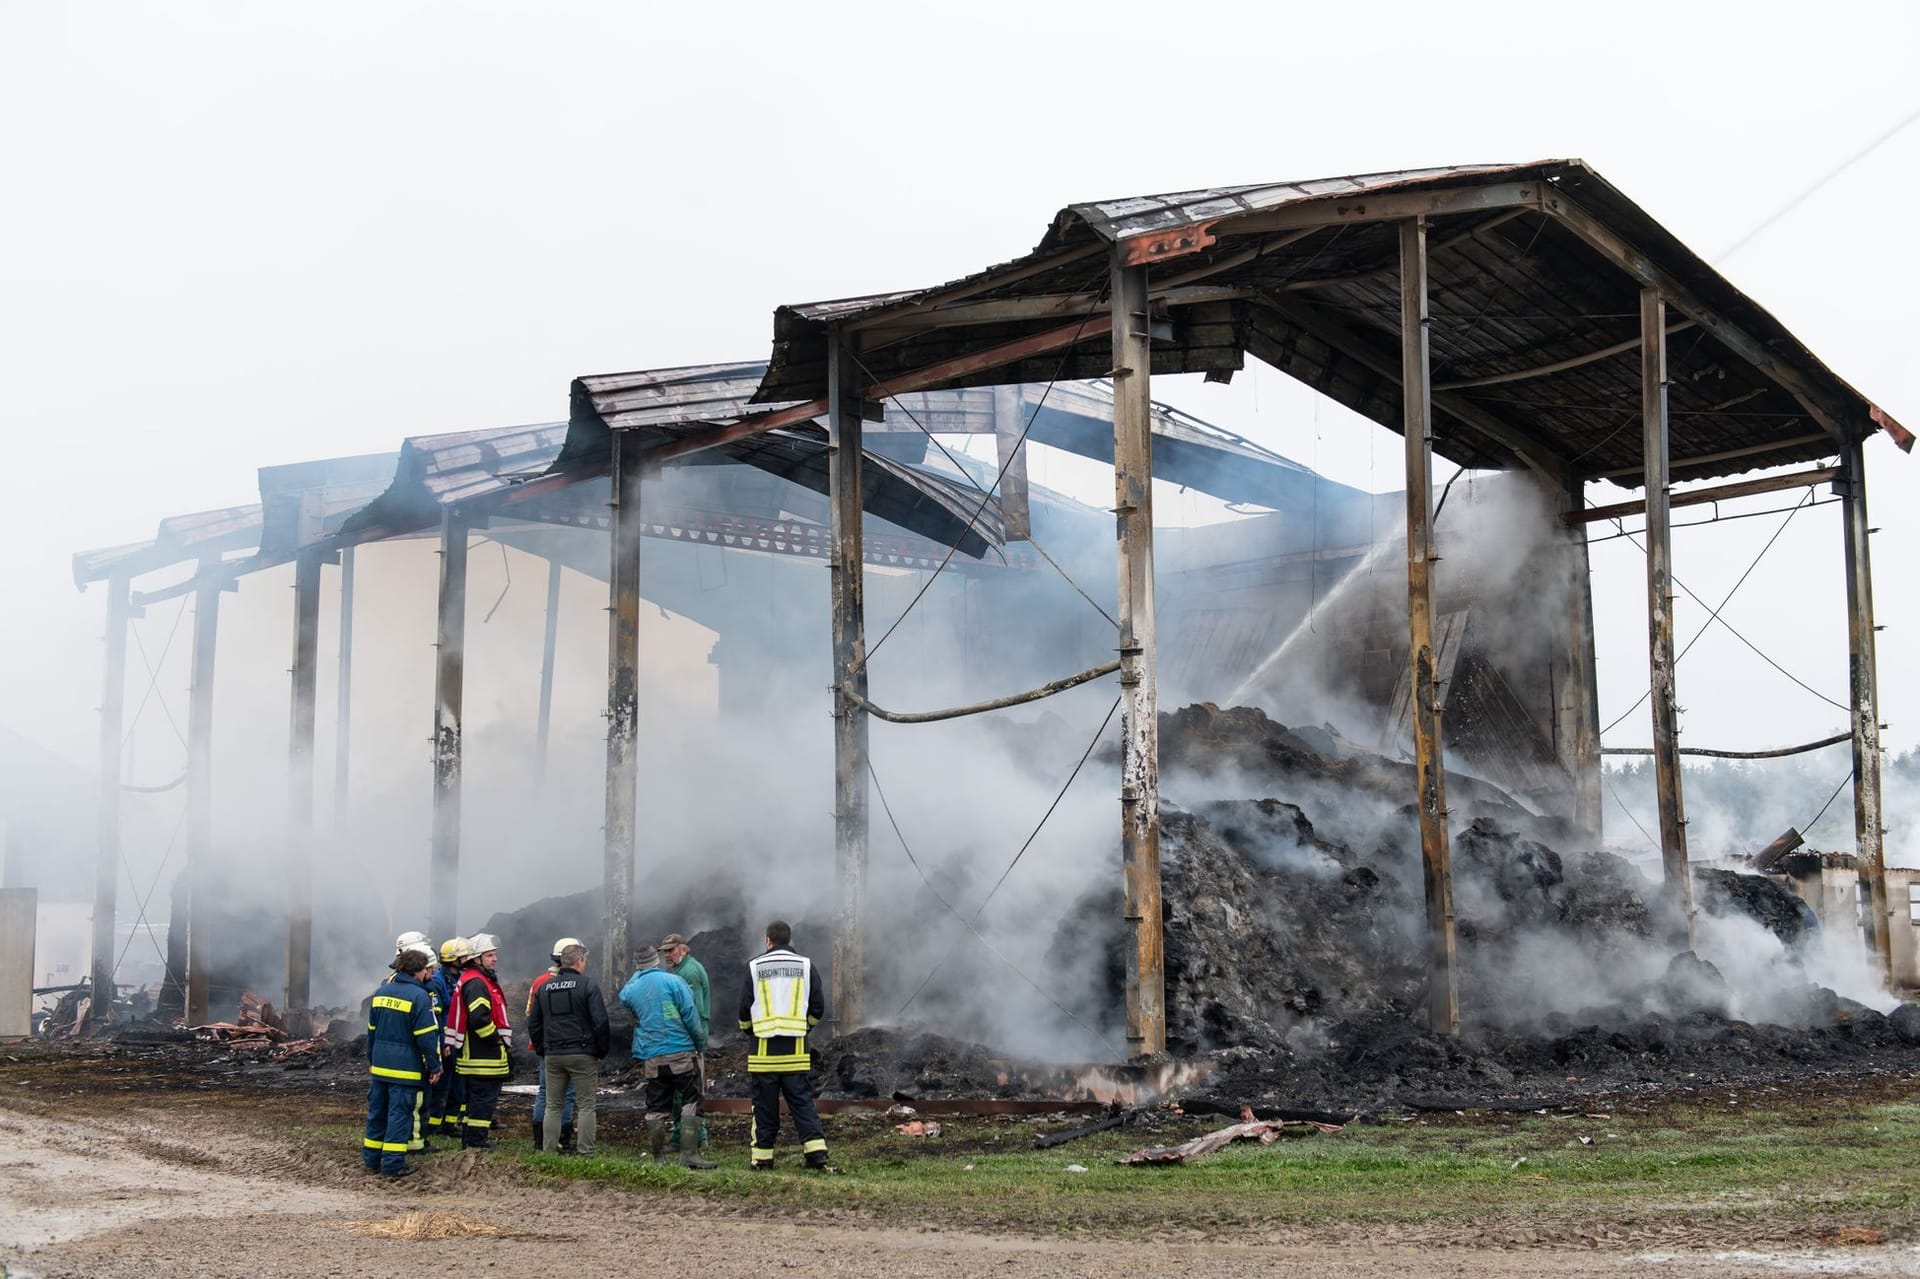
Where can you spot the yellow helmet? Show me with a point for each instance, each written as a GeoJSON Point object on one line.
{"type": "Point", "coordinates": [455, 949]}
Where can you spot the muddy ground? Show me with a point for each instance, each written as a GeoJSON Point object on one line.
{"type": "Point", "coordinates": [129, 1165]}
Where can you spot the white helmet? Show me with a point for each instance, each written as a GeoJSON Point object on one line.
{"type": "Point", "coordinates": [420, 948]}
{"type": "Point", "coordinates": [404, 940]}
{"type": "Point", "coordinates": [484, 942]}
{"type": "Point", "coordinates": [563, 943]}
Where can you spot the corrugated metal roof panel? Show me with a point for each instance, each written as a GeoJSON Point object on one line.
{"type": "Point", "coordinates": [180, 538]}
{"type": "Point", "coordinates": [1512, 288]}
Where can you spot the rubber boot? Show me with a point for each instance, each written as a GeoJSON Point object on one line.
{"type": "Point", "coordinates": [539, 1134]}
{"type": "Point", "coordinates": [690, 1149]}
{"type": "Point", "coordinates": [657, 1138]}
{"type": "Point", "coordinates": [566, 1139]}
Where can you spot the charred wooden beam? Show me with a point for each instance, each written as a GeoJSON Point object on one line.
{"type": "Point", "coordinates": [846, 568]}
{"type": "Point", "coordinates": [922, 379]}
{"type": "Point", "coordinates": [306, 673]}
{"type": "Point", "coordinates": [206, 628]}
{"type": "Point", "coordinates": [1376, 206]}
{"type": "Point", "coordinates": [1443, 999]}
{"type": "Point", "coordinates": [1700, 497]}
{"type": "Point", "coordinates": [623, 710]}
{"type": "Point", "coordinates": [1708, 459]}
{"type": "Point", "coordinates": [1666, 711]}
{"type": "Point", "coordinates": [1046, 306]}
{"type": "Point", "coordinates": [549, 643]}
{"type": "Point", "coordinates": [449, 696]}
{"type": "Point", "coordinates": [106, 874]}
{"type": "Point", "coordinates": [1139, 688]}
{"type": "Point", "coordinates": [1558, 366]}
{"type": "Point", "coordinates": [1869, 830]}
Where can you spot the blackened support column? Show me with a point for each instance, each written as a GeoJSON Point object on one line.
{"type": "Point", "coordinates": [206, 627]}
{"type": "Point", "coordinates": [106, 875]}
{"type": "Point", "coordinates": [1666, 710]}
{"type": "Point", "coordinates": [847, 568]}
{"type": "Point", "coordinates": [306, 671]}
{"type": "Point", "coordinates": [623, 710]}
{"type": "Point", "coordinates": [1139, 688]}
{"type": "Point", "coordinates": [1869, 831]}
{"type": "Point", "coordinates": [1436, 853]}
{"type": "Point", "coordinates": [449, 697]}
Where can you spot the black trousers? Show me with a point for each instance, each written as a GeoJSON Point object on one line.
{"type": "Point", "coordinates": [767, 1090]}
{"type": "Point", "coordinates": [483, 1096]}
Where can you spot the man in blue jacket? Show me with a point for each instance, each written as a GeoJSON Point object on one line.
{"type": "Point", "coordinates": [403, 1060]}
{"type": "Point", "coordinates": [668, 1038]}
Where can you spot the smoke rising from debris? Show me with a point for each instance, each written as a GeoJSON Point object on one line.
{"type": "Point", "coordinates": [735, 822]}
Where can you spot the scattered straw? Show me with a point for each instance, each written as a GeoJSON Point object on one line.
{"type": "Point", "coordinates": [431, 1225]}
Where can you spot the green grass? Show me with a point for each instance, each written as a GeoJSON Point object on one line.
{"type": "Point", "coordinates": [1831, 1162]}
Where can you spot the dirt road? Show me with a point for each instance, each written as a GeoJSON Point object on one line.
{"type": "Point", "coordinates": [112, 1186]}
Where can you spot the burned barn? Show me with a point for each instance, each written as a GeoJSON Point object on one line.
{"type": "Point", "coordinates": [1392, 834]}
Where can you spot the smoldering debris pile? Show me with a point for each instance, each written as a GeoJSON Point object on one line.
{"type": "Point", "coordinates": [1296, 949]}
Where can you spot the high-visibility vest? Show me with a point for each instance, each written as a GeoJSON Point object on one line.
{"type": "Point", "coordinates": [782, 982]}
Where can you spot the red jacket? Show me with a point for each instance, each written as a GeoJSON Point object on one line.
{"type": "Point", "coordinates": [477, 1026]}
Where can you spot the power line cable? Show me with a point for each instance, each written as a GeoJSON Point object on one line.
{"type": "Point", "coordinates": [1714, 616]}
{"type": "Point", "coordinates": [1829, 804]}
{"type": "Point", "coordinates": [1817, 184]}
{"type": "Point", "coordinates": [153, 680]}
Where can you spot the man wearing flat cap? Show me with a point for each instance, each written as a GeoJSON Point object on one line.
{"type": "Point", "coordinates": [677, 959]}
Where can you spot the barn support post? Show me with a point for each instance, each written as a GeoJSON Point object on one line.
{"type": "Point", "coordinates": [1139, 687]}
{"type": "Point", "coordinates": [343, 694]}
{"type": "Point", "coordinates": [1443, 997]}
{"type": "Point", "coordinates": [847, 570]}
{"type": "Point", "coordinates": [1666, 710]}
{"type": "Point", "coordinates": [1863, 687]}
{"type": "Point", "coordinates": [306, 670]}
{"type": "Point", "coordinates": [106, 875]}
{"type": "Point", "coordinates": [1010, 450]}
{"type": "Point", "coordinates": [206, 628]}
{"type": "Point", "coordinates": [1576, 687]}
{"type": "Point", "coordinates": [449, 695]}
{"type": "Point", "coordinates": [623, 709]}
{"type": "Point", "coordinates": [549, 642]}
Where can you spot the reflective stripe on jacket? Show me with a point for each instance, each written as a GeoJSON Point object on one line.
{"type": "Point", "coordinates": [481, 1010]}
{"type": "Point", "coordinates": [779, 1004]}
{"type": "Point", "coordinates": [403, 1044]}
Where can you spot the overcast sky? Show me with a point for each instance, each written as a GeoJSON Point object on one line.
{"type": "Point", "coordinates": [242, 234]}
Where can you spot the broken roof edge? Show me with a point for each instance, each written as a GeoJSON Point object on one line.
{"type": "Point", "coordinates": [178, 538]}
{"type": "Point", "coordinates": [1177, 226]}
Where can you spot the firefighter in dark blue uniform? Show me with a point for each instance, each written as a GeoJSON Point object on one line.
{"type": "Point", "coordinates": [403, 1060]}
{"type": "Point", "coordinates": [446, 1100]}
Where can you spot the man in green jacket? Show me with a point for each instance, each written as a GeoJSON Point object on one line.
{"type": "Point", "coordinates": [677, 959]}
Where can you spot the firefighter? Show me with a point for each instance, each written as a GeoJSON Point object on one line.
{"type": "Point", "coordinates": [446, 1099]}
{"type": "Point", "coordinates": [677, 958]}
{"type": "Point", "coordinates": [565, 1146]}
{"type": "Point", "coordinates": [667, 1040]}
{"type": "Point", "coordinates": [780, 1003]}
{"type": "Point", "coordinates": [482, 1040]}
{"type": "Point", "coordinates": [403, 1060]}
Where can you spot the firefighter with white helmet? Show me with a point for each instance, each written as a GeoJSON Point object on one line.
{"type": "Point", "coordinates": [481, 1037]}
